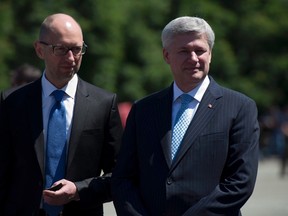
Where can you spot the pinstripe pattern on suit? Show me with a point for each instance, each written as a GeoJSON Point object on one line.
{"type": "Point", "coordinates": [214, 171]}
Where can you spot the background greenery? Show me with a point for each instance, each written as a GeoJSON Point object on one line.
{"type": "Point", "coordinates": [124, 48]}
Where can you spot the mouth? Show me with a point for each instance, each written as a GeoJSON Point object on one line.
{"type": "Point", "coordinates": [68, 67]}
{"type": "Point", "coordinates": [193, 70]}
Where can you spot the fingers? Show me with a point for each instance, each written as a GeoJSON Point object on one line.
{"type": "Point", "coordinates": [61, 192]}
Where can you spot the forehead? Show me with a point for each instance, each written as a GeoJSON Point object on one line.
{"type": "Point", "coordinates": [64, 31]}
{"type": "Point", "coordinates": [189, 39]}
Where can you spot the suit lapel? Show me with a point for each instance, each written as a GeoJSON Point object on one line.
{"type": "Point", "coordinates": [79, 115]}
{"type": "Point", "coordinates": [37, 121]}
{"type": "Point", "coordinates": [39, 149]}
{"type": "Point", "coordinates": [164, 116]}
{"type": "Point", "coordinates": [80, 111]}
{"type": "Point", "coordinates": [204, 113]}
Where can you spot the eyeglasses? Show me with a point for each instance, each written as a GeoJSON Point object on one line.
{"type": "Point", "coordinates": [59, 50]}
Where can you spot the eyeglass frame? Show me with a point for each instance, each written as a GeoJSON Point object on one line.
{"type": "Point", "coordinates": [83, 48]}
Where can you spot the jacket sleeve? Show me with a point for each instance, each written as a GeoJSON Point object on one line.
{"type": "Point", "coordinates": [98, 188]}
{"type": "Point", "coordinates": [125, 194]}
{"type": "Point", "coordinates": [5, 157]}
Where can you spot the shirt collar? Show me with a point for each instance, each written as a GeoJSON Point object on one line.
{"type": "Point", "coordinates": [197, 93]}
{"type": "Point", "coordinates": [70, 88]}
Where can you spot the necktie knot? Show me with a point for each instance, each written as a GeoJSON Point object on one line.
{"type": "Point", "coordinates": [185, 99]}
{"type": "Point", "coordinates": [58, 95]}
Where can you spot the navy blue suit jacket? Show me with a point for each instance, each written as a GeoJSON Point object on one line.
{"type": "Point", "coordinates": [214, 171]}
{"type": "Point", "coordinates": [93, 145]}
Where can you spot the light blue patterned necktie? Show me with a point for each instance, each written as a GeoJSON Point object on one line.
{"type": "Point", "coordinates": [182, 122]}
{"type": "Point", "coordinates": [55, 147]}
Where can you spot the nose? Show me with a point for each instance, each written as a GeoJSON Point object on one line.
{"type": "Point", "coordinates": [194, 56]}
{"type": "Point", "coordinates": [70, 55]}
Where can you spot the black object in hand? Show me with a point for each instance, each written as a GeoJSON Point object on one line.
{"type": "Point", "coordinates": [56, 187]}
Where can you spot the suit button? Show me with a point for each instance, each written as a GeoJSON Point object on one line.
{"type": "Point", "coordinates": [169, 181]}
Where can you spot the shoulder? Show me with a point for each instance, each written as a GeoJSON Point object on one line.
{"type": "Point", "coordinates": [92, 89]}
{"type": "Point", "coordinates": [227, 94]}
{"type": "Point", "coordinates": [94, 92]}
{"type": "Point", "coordinates": [235, 96]}
{"type": "Point", "coordinates": [164, 94]}
{"type": "Point", "coordinates": [232, 98]}
{"type": "Point", "coordinates": [153, 103]}
{"type": "Point", "coordinates": [22, 99]}
{"type": "Point", "coordinates": [22, 93]}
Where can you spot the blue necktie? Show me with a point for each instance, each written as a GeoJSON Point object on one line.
{"type": "Point", "coordinates": [182, 122]}
{"type": "Point", "coordinates": [55, 147]}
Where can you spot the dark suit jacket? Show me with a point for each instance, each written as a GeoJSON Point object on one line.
{"type": "Point", "coordinates": [94, 143]}
{"type": "Point", "coordinates": [4, 94]}
{"type": "Point", "coordinates": [214, 170]}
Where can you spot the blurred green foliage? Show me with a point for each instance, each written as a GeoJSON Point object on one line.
{"type": "Point", "coordinates": [124, 48]}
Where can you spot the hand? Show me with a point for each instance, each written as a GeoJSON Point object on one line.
{"type": "Point", "coordinates": [65, 194]}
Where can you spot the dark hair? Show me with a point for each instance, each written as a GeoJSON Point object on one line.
{"type": "Point", "coordinates": [24, 74]}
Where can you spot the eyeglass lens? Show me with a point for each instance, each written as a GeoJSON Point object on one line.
{"type": "Point", "coordinates": [63, 50]}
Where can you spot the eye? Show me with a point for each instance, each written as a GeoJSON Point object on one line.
{"type": "Point", "coordinates": [60, 49]}
{"type": "Point", "coordinates": [199, 52]}
{"type": "Point", "coordinates": [184, 51]}
{"type": "Point", "coordinates": [76, 50]}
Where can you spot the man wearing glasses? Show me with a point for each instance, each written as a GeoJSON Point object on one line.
{"type": "Point", "coordinates": [58, 134]}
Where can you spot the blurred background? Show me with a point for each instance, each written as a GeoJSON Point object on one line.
{"type": "Point", "coordinates": [125, 54]}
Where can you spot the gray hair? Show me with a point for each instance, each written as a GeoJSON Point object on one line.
{"type": "Point", "coordinates": [184, 25]}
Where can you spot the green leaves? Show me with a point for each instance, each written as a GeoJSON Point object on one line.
{"type": "Point", "coordinates": [124, 47]}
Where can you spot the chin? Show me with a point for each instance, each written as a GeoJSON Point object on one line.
{"type": "Point", "coordinates": [197, 76]}
{"type": "Point", "coordinates": [72, 71]}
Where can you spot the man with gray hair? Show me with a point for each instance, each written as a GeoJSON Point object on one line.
{"type": "Point", "coordinates": [192, 148]}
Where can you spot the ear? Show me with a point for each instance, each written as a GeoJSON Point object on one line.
{"type": "Point", "coordinates": [165, 55]}
{"type": "Point", "coordinates": [39, 49]}
{"type": "Point", "coordinates": [210, 56]}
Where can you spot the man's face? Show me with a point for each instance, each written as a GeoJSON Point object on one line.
{"type": "Point", "coordinates": [61, 69]}
{"type": "Point", "coordinates": [189, 57]}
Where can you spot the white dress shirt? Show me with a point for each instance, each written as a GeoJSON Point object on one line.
{"type": "Point", "coordinates": [197, 93]}
{"type": "Point", "coordinates": [48, 101]}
